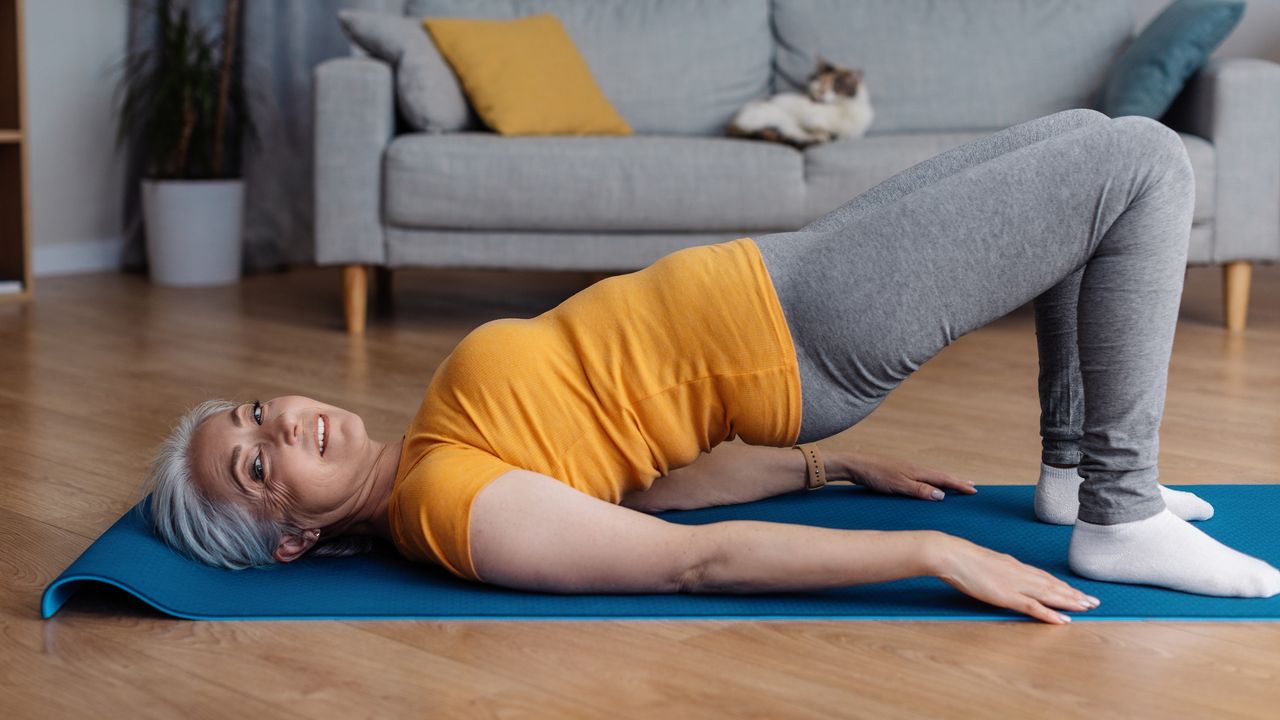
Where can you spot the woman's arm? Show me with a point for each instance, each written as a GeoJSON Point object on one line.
{"type": "Point", "coordinates": [748, 556]}
{"type": "Point", "coordinates": [532, 532]}
{"type": "Point", "coordinates": [735, 472]}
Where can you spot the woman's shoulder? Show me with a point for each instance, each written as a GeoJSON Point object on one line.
{"type": "Point", "coordinates": [430, 504]}
{"type": "Point", "coordinates": [494, 343]}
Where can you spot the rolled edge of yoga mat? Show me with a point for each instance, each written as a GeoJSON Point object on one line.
{"type": "Point", "coordinates": [57, 594]}
{"type": "Point", "coordinates": [99, 551]}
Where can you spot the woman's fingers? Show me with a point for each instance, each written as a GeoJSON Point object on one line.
{"type": "Point", "coordinates": [945, 481]}
{"type": "Point", "coordinates": [1068, 599]}
{"type": "Point", "coordinates": [1042, 592]}
{"type": "Point", "coordinates": [954, 483]}
{"type": "Point", "coordinates": [1063, 600]}
{"type": "Point", "coordinates": [932, 488]}
{"type": "Point", "coordinates": [1055, 593]}
{"type": "Point", "coordinates": [927, 491]}
{"type": "Point", "coordinates": [1003, 580]}
{"type": "Point", "coordinates": [1032, 607]}
{"type": "Point", "coordinates": [1072, 595]}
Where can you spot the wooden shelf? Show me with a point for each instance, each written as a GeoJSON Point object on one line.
{"type": "Point", "coordinates": [15, 201]}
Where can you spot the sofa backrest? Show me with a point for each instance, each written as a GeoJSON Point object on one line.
{"type": "Point", "coordinates": [685, 67]}
{"type": "Point", "coordinates": [956, 64]}
{"type": "Point", "coordinates": [668, 66]}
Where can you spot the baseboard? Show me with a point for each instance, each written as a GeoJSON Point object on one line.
{"type": "Point", "coordinates": [77, 256]}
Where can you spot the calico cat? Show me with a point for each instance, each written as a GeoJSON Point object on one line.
{"type": "Point", "coordinates": [837, 105]}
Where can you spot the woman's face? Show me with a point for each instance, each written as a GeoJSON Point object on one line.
{"type": "Point", "coordinates": [268, 456]}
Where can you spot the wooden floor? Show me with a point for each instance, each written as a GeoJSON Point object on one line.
{"type": "Point", "coordinates": [93, 373]}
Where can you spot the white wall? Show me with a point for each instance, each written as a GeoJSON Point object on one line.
{"type": "Point", "coordinates": [1257, 35]}
{"type": "Point", "coordinates": [75, 171]}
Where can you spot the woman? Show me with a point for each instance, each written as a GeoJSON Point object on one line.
{"type": "Point", "coordinates": [540, 443]}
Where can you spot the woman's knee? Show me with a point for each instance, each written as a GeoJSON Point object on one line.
{"type": "Point", "coordinates": [1082, 117]}
{"type": "Point", "coordinates": [1153, 141]}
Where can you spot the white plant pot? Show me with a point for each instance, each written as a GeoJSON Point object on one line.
{"type": "Point", "coordinates": [193, 231]}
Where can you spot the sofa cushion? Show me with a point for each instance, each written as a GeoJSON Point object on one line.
{"type": "Point", "coordinates": [525, 77]}
{"type": "Point", "coordinates": [427, 90]}
{"type": "Point", "coordinates": [1169, 50]}
{"type": "Point", "coordinates": [483, 181]}
{"type": "Point", "coordinates": [840, 171]}
{"type": "Point", "coordinates": [668, 66]}
{"type": "Point", "coordinates": [932, 65]}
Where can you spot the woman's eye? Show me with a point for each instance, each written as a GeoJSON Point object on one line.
{"type": "Point", "coordinates": [256, 470]}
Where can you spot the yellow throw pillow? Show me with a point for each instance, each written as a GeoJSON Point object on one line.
{"type": "Point", "coordinates": [525, 76]}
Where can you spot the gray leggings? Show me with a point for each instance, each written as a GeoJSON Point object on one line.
{"type": "Point", "coordinates": [1086, 215]}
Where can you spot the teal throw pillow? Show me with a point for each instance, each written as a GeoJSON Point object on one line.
{"type": "Point", "coordinates": [1151, 72]}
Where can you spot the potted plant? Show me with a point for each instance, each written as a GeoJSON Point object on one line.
{"type": "Point", "coordinates": [183, 98]}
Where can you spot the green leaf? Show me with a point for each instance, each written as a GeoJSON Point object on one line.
{"type": "Point", "coordinates": [155, 85]}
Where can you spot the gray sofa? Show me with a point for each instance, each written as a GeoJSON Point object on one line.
{"type": "Point", "coordinates": [939, 74]}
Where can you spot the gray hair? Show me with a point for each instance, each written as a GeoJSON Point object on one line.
{"type": "Point", "coordinates": [222, 534]}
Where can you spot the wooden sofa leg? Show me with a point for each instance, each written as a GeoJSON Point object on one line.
{"type": "Point", "coordinates": [355, 287]}
{"type": "Point", "coordinates": [1235, 292]}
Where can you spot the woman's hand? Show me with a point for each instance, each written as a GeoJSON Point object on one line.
{"type": "Point", "coordinates": [899, 477]}
{"type": "Point", "coordinates": [1003, 580]}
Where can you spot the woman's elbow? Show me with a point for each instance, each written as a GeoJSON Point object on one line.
{"type": "Point", "coordinates": [695, 560]}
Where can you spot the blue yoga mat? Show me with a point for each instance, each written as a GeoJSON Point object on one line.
{"type": "Point", "coordinates": [381, 585]}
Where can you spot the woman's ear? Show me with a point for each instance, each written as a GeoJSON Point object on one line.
{"type": "Point", "coordinates": [294, 545]}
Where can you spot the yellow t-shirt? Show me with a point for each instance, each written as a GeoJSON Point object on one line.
{"type": "Point", "coordinates": [618, 385]}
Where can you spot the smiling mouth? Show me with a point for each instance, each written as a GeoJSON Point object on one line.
{"type": "Point", "coordinates": [322, 426]}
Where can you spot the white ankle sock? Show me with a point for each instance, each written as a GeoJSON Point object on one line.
{"type": "Point", "coordinates": [1057, 495]}
{"type": "Point", "coordinates": [1058, 499]}
{"type": "Point", "coordinates": [1170, 552]}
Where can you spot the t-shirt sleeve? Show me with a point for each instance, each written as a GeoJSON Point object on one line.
{"type": "Point", "coordinates": [430, 509]}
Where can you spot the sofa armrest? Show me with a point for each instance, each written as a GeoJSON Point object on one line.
{"type": "Point", "coordinates": [1235, 104]}
{"type": "Point", "coordinates": [354, 114]}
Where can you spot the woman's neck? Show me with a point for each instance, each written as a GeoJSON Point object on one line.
{"type": "Point", "coordinates": [370, 516]}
